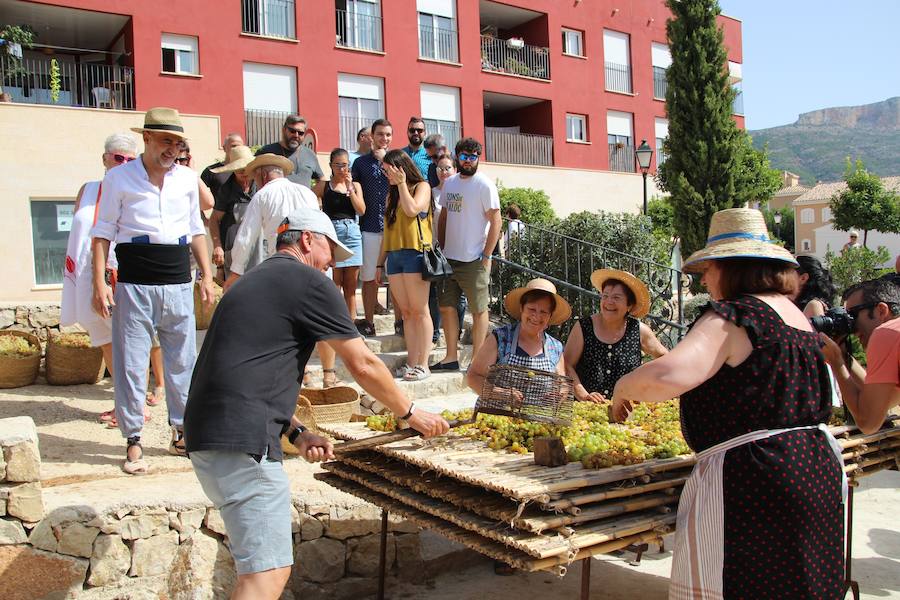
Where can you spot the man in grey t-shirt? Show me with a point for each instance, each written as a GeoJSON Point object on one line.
{"type": "Point", "coordinates": [306, 164]}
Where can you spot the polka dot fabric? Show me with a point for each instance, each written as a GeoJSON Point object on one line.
{"type": "Point", "coordinates": [784, 530]}
{"type": "Point", "coordinates": [601, 364]}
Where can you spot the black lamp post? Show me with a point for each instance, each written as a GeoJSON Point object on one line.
{"type": "Point", "coordinates": [644, 154]}
{"type": "Point", "coordinates": [777, 218]}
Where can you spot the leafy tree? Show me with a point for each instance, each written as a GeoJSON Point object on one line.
{"type": "Point", "coordinates": [865, 204]}
{"type": "Point", "coordinates": [662, 214]}
{"type": "Point", "coordinates": [783, 231]}
{"type": "Point", "coordinates": [535, 204]}
{"type": "Point", "coordinates": [854, 265]}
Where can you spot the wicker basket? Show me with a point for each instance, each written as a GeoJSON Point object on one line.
{"type": "Point", "coordinates": [19, 372]}
{"type": "Point", "coordinates": [304, 412]}
{"type": "Point", "coordinates": [331, 405]}
{"type": "Point", "coordinates": [66, 365]}
{"type": "Point", "coordinates": [203, 314]}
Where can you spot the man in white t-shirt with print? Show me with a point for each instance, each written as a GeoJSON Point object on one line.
{"type": "Point", "coordinates": [468, 230]}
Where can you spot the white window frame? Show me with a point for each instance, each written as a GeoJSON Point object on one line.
{"type": "Point", "coordinates": [807, 215]}
{"type": "Point", "coordinates": [59, 271]}
{"type": "Point", "coordinates": [441, 51]}
{"type": "Point", "coordinates": [806, 245]}
{"type": "Point", "coordinates": [182, 45]}
{"type": "Point", "coordinates": [826, 214]}
{"type": "Point", "coordinates": [571, 133]}
{"type": "Point", "coordinates": [579, 36]}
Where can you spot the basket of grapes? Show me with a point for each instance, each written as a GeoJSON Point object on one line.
{"type": "Point", "coordinates": [71, 360]}
{"type": "Point", "coordinates": [20, 358]}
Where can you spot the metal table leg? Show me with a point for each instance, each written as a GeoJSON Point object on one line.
{"type": "Point", "coordinates": [586, 578]}
{"type": "Point", "coordinates": [849, 584]}
{"type": "Point", "coordinates": [382, 554]}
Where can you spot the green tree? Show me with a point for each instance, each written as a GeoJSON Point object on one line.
{"type": "Point", "coordinates": [535, 204]}
{"type": "Point", "coordinates": [864, 203]}
{"type": "Point", "coordinates": [856, 264]}
{"type": "Point", "coordinates": [662, 215]}
{"type": "Point", "coordinates": [783, 231]}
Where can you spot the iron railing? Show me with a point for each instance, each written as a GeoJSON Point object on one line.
{"type": "Point", "coordinates": [509, 56]}
{"type": "Point", "coordinates": [518, 148]}
{"type": "Point", "coordinates": [358, 30]}
{"type": "Point", "coordinates": [349, 126]}
{"type": "Point", "coordinates": [568, 262]}
{"type": "Point", "coordinates": [618, 77]}
{"type": "Point", "coordinates": [739, 102]}
{"type": "Point", "coordinates": [621, 157]}
{"type": "Point", "coordinates": [660, 83]}
{"type": "Point", "coordinates": [80, 84]}
{"type": "Point", "coordinates": [274, 18]}
{"type": "Point", "coordinates": [263, 126]}
{"type": "Point", "coordinates": [438, 43]}
{"type": "Point", "coordinates": [450, 130]}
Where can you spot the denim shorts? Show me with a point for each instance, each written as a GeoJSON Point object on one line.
{"type": "Point", "coordinates": [348, 234]}
{"type": "Point", "coordinates": [255, 501]}
{"type": "Point", "coordinates": [404, 261]}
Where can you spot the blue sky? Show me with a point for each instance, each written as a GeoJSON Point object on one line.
{"type": "Point", "coordinates": [802, 55]}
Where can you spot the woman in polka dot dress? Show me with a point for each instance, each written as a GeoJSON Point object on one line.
{"type": "Point", "coordinates": [762, 513]}
{"type": "Point", "coordinates": [606, 346]}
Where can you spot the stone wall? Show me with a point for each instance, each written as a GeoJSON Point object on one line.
{"type": "Point", "coordinates": [34, 318]}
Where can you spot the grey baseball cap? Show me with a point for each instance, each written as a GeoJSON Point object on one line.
{"type": "Point", "coordinates": [315, 221]}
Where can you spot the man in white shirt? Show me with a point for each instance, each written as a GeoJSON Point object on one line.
{"type": "Point", "coordinates": [468, 230]}
{"type": "Point", "coordinates": [150, 209]}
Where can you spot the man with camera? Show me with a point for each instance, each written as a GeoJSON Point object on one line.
{"type": "Point", "coordinates": [872, 311]}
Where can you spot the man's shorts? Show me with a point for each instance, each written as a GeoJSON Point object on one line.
{"type": "Point", "coordinates": [255, 501]}
{"type": "Point", "coordinates": [404, 261]}
{"type": "Point", "coordinates": [371, 244]}
{"type": "Point", "coordinates": [469, 278]}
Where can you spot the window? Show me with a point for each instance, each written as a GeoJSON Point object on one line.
{"type": "Point", "coordinates": [826, 214]}
{"type": "Point", "coordinates": [662, 132]}
{"type": "Point", "coordinates": [621, 146]}
{"type": "Point", "coordinates": [440, 111]}
{"type": "Point", "coordinates": [806, 245]}
{"type": "Point", "coordinates": [576, 128]}
{"type": "Point", "coordinates": [51, 222]}
{"type": "Point", "coordinates": [360, 101]}
{"type": "Point", "coordinates": [179, 54]}
{"type": "Point", "coordinates": [270, 95]}
{"type": "Point", "coordinates": [437, 30]}
{"type": "Point", "coordinates": [359, 24]}
{"type": "Point", "coordinates": [808, 215]}
{"type": "Point", "coordinates": [617, 61]}
{"type": "Point", "coordinates": [273, 18]}
{"type": "Point", "coordinates": [573, 42]}
{"type": "Point", "coordinates": [661, 58]}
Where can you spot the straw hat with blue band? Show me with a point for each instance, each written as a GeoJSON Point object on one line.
{"type": "Point", "coordinates": [738, 233]}
{"type": "Point", "coordinates": [162, 120]}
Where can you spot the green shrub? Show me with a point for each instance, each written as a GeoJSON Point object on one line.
{"type": "Point", "coordinates": [854, 265]}
{"type": "Point", "coordinates": [535, 204]}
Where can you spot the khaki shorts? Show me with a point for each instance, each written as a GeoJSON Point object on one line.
{"type": "Point", "coordinates": [469, 278]}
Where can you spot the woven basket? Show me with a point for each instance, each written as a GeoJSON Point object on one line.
{"type": "Point", "coordinates": [19, 372]}
{"type": "Point", "coordinates": [66, 365]}
{"type": "Point", "coordinates": [304, 412]}
{"type": "Point", "coordinates": [203, 314]}
{"type": "Point", "coordinates": [333, 405]}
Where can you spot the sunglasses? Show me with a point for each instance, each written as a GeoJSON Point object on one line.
{"type": "Point", "coordinates": [464, 156]}
{"type": "Point", "coordinates": [183, 160]}
{"type": "Point", "coordinates": [340, 165]}
{"type": "Point", "coordinates": [120, 158]}
{"type": "Point", "coordinates": [416, 130]}
{"type": "Point", "coordinates": [854, 311]}
{"type": "Point", "coordinates": [445, 169]}
{"type": "Point", "coordinates": [295, 131]}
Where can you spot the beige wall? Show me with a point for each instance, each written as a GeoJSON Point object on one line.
{"type": "Point", "coordinates": [47, 153]}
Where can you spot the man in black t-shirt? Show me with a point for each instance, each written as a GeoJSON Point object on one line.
{"type": "Point", "coordinates": [215, 180]}
{"type": "Point", "coordinates": [306, 164]}
{"type": "Point", "coordinates": [244, 392]}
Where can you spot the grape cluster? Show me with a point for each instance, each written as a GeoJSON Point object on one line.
{"type": "Point", "coordinates": [385, 422]}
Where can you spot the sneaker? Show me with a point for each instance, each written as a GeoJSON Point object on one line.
{"type": "Point", "coordinates": [401, 371]}
{"type": "Point", "coordinates": [365, 328]}
{"type": "Point", "coordinates": [176, 446]}
{"type": "Point", "coordinates": [417, 373]}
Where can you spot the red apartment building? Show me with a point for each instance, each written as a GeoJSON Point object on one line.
{"type": "Point", "coordinates": [573, 83]}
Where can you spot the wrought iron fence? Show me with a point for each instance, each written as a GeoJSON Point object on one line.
{"type": "Point", "coordinates": [621, 157]}
{"type": "Point", "coordinates": [568, 262]}
{"type": "Point", "coordinates": [358, 30]}
{"type": "Point", "coordinates": [514, 57]}
{"type": "Point", "coordinates": [438, 43]}
{"type": "Point", "coordinates": [263, 126]}
{"type": "Point", "coordinates": [518, 148]}
{"type": "Point", "coordinates": [275, 18]}
{"type": "Point", "coordinates": [618, 77]}
{"type": "Point", "coordinates": [80, 84]}
{"type": "Point", "coordinates": [660, 83]}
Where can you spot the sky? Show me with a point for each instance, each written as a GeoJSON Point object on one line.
{"type": "Point", "coordinates": [803, 55]}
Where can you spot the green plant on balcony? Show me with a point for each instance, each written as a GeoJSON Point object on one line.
{"type": "Point", "coordinates": [517, 67]}
{"type": "Point", "coordinates": [14, 38]}
{"type": "Point", "coordinates": [54, 80]}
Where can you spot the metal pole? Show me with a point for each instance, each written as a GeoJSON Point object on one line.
{"type": "Point", "coordinates": [586, 578]}
{"type": "Point", "coordinates": [382, 554]}
{"type": "Point", "coordinates": [644, 172]}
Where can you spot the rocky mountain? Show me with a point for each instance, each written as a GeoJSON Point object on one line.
{"type": "Point", "coordinates": [817, 144]}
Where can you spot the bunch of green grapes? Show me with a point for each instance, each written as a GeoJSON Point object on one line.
{"type": "Point", "coordinates": [385, 422]}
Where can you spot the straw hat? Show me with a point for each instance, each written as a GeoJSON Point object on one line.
{"type": "Point", "coordinates": [641, 293]}
{"type": "Point", "coordinates": [513, 305]}
{"type": "Point", "coordinates": [267, 160]}
{"type": "Point", "coordinates": [237, 157]}
{"type": "Point", "coordinates": [738, 233]}
{"type": "Point", "coordinates": [162, 119]}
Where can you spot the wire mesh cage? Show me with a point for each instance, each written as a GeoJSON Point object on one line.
{"type": "Point", "coordinates": [528, 394]}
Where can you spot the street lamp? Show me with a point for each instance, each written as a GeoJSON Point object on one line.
{"type": "Point", "coordinates": [644, 154]}
{"type": "Point", "coordinates": [777, 218]}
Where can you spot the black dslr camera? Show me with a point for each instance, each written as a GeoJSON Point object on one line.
{"type": "Point", "coordinates": [836, 322]}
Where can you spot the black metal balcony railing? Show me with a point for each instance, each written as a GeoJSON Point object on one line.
{"type": "Point", "coordinates": [739, 102]}
{"type": "Point", "coordinates": [506, 56]}
{"type": "Point", "coordinates": [274, 18]}
{"type": "Point", "coordinates": [263, 126]}
{"type": "Point", "coordinates": [660, 84]}
{"type": "Point", "coordinates": [621, 157]}
{"type": "Point", "coordinates": [618, 77]}
{"type": "Point", "coordinates": [438, 43]}
{"type": "Point", "coordinates": [358, 30]}
{"type": "Point", "coordinates": [518, 148]}
{"type": "Point", "coordinates": [91, 85]}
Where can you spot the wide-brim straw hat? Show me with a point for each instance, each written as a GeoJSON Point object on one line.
{"type": "Point", "coordinates": [238, 158]}
{"type": "Point", "coordinates": [638, 288]}
{"type": "Point", "coordinates": [513, 305]}
{"type": "Point", "coordinates": [269, 160]}
{"type": "Point", "coordinates": [162, 120]}
{"type": "Point", "coordinates": [738, 233]}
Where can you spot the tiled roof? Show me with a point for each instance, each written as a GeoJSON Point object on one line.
{"type": "Point", "coordinates": [822, 192]}
{"type": "Point", "coordinates": [793, 190]}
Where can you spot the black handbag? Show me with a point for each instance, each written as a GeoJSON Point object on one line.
{"type": "Point", "coordinates": [435, 265]}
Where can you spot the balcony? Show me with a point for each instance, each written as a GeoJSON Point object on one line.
{"type": "Point", "coordinates": [514, 40]}
{"type": "Point", "coordinates": [618, 78]}
{"type": "Point", "coordinates": [80, 84]}
{"type": "Point", "coordinates": [271, 18]}
{"type": "Point", "coordinates": [660, 83]}
{"type": "Point", "coordinates": [518, 130]}
{"type": "Point", "coordinates": [518, 148]}
{"type": "Point", "coordinates": [263, 126]}
{"type": "Point", "coordinates": [514, 57]}
{"type": "Point", "coordinates": [621, 157]}
{"type": "Point", "coordinates": [438, 43]}
{"type": "Point", "coordinates": [358, 30]}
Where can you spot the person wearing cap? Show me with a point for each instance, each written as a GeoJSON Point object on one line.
{"type": "Point", "coordinates": [150, 209]}
{"type": "Point", "coordinates": [607, 345]}
{"type": "Point", "coordinates": [854, 241]}
{"type": "Point", "coordinates": [303, 160]}
{"type": "Point", "coordinates": [231, 202]}
{"type": "Point", "coordinates": [244, 393]}
{"type": "Point", "coordinates": [762, 515]}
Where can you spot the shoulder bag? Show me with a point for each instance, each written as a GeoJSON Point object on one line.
{"type": "Point", "coordinates": [435, 265]}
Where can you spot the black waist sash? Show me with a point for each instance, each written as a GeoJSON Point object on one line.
{"type": "Point", "coordinates": [154, 264]}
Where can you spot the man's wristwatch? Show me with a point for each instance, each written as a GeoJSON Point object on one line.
{"type": "Point", "coordinates": [409, 413]}
{"type": "Point", "coordinates": [292, 436]}
{"type": "Point", "coordinates": [485, 256]}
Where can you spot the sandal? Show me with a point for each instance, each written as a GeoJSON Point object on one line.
{"type": "Point", "coordinates": [106, 417]}
{"type": "Point", "coordinates": [112, 423]}
{"type": "Point", "coordinates": [176, 446]}
{"type": "Point", "coordinates": [138, 466]}
{"type": "Point", "coordinates": [156, 396]}
{"type": "Point", "coordinates": [401, 371]}
{"type": "Point", "coordinates": [332, 381]}
{"type": "Point", "coordinates": [417, 373]}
